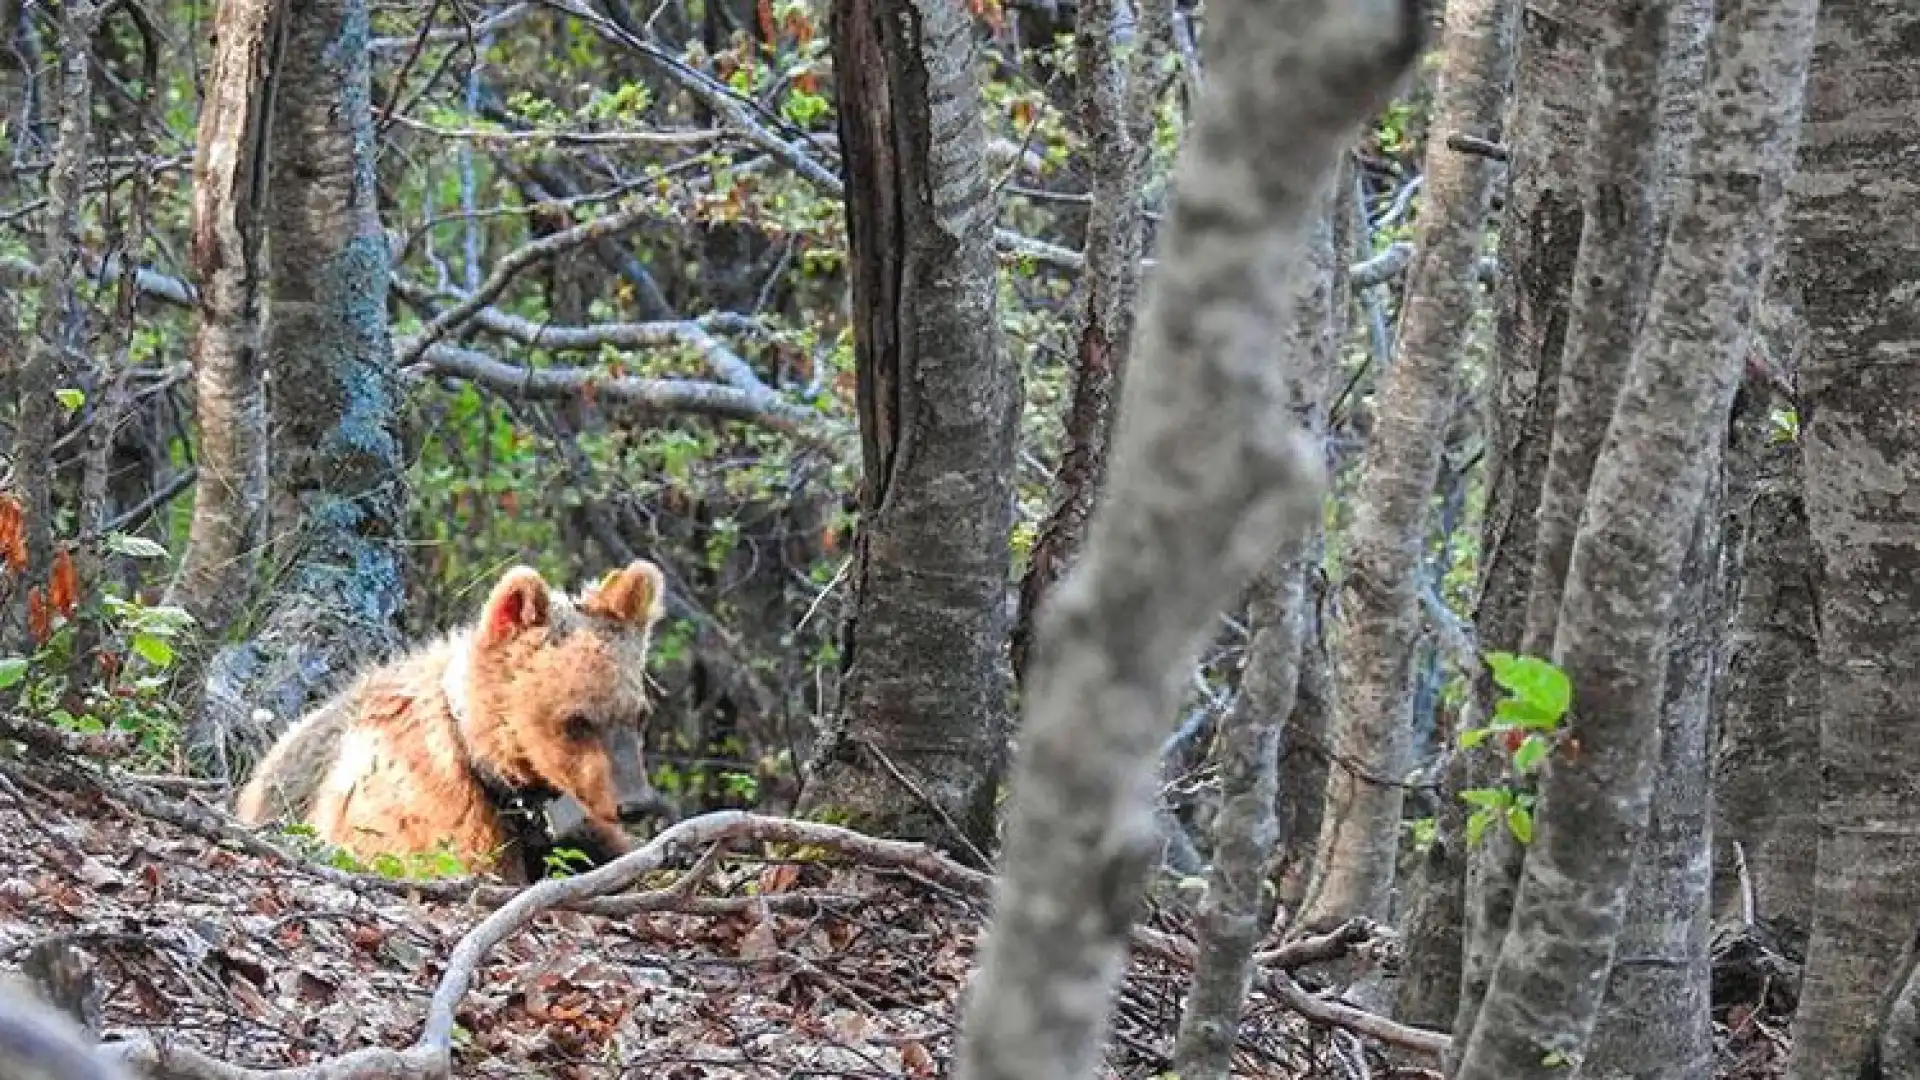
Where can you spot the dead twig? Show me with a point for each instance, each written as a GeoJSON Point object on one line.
{"type": "Point", "coordinates": [46, 738]}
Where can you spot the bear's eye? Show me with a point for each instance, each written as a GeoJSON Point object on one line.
{"type": "Point", "coordinates": [579, 728]}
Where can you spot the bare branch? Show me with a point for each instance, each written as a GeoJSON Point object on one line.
{"type": "Point", "coordinates": [411, 350]}
{"type": "Point", "coordinates": [683, 395]}
{"type": "Point", "coordinates": [484, 137]}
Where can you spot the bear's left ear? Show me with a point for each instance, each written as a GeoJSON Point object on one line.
{"type": "Point", "coordinates": [633, 594]}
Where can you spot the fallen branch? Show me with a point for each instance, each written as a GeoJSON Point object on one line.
{"type": "Point", "coordinates": [49, 739]}
{"type": "Point", "coordinates": [430, 1057]}
{"type": "Point", "coordinates": [1337, 1014]}
{"type": "Point", "coordinates": [590, 894]}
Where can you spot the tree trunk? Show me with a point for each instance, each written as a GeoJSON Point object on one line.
{"type": "Point", "coordinates": [918, 749]}
{"type": "Point", "coordinates": [216, 573]}
{"type": "Point", "coordinates": [1851, 257]}
{"type": "Point", "coordinates": [1238, 905]}
{"type": "Point", "coordinates": [1207, 481]}
{"type": "Point", "coordinates": [60, 332]}
{"type": "Point", "coordinates": [1655, 1022]}
{"type": "Point", "coordinates": [337, 480]}
{"type": "Point", "coordinates": [1117, 103]}
{"type": "Point", "coordinates": [1766, 761]}
{"type": "Point", "coordinates": [1612, 273]}
{"type": "Point", "coordinates": [1379, 591]}
{"type": "Point", "coordinates": [1539, 240]}
{"type": "Point", "coordinates": [1542, 1004]}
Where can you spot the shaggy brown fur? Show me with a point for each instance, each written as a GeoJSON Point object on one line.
{"type": "Point", "coordinates": [543, 696]}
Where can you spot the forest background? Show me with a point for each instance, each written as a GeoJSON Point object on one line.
{"type": "Point", "coordinates": [327, 312]}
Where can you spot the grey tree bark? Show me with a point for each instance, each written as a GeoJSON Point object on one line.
{"type": "Point", "coordinates": [1383, 564]}
{"type": "Point", "coordinates": [1118, 93]}
{"type": "Point", "coordinates": [1655, 1019]}
{"type": "Point", "coordinates": [1539, 240]}
{"type": "Point", "coordinates": [217, 571]}
{"type": "Point", "coordinates": [337, 491]}
{"type": "Point", "coordinates": [917, 749]}
{"type": "Point", "coordinates": [1612, 273]}
{"type": "Point", "coordinates": [1648, 482]}
{"type": "Point", "coordinates": [1655, 1022]}
{"type": "Point", "coordinates": [40, 1043]}
{"type": "Point", "coordinates": [1206, 482]}
{"type": "Point", "coordinates": [1239, 902]}
{"type": "Point", "coordinates": [1766, 754]}
{"type": "Point", "coordinates": [1861, 440]}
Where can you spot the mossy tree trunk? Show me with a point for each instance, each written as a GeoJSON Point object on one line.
{"type": "Point", "coordinates": [337, 491]}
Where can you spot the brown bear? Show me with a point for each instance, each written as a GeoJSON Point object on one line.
{"type": "Point", "coordinates": [466, 741]}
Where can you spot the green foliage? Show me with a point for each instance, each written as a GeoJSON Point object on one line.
{"type": "Point", "coordinates": [564, 861]}
{"type": "Point", "coordinates": [1783, 425]}
{"type": "Point", "coordinates": [1528, 722]}
{"type": "Point", "coordinates": [1425, 831]}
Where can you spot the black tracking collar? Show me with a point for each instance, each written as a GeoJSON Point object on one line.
{"type": "Point", "coordinates": [523, 816]}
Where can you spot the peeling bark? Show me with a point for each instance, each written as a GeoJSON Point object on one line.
{"type": "Point", "coordinates": [1851, 258]}
{"type": "Point", "coordinates": [1627, 560]}
{"type": "Point", "coordinates": [1205, 486]}
{"type": "Point", "coordinates": [216, 574]}
{"type": "Point", "coordinates": [918, 748]}
{"type": "Point", "coordinates": [1383, 571]}
{"type": "Point", "coordinates": [337, 491]}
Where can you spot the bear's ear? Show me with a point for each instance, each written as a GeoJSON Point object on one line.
{"type": "Point", "coordinates": [518, 603]}
{"type": "Point", "coordinates": [633, 594]}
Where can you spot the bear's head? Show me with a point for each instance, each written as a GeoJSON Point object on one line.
{"type": "Point", "coordinates": [555, 687]}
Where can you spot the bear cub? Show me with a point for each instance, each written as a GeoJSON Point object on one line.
{"type": "Point", "coordinates": [467, 740]}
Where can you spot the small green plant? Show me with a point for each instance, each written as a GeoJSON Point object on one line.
{"type": "Point", "coordinates": [566, 861]}
{"type": "Point", "coordinates": [1783, 426]}
{"type": "Point", "coordinates": [1425, 830]}
{"type": "Point", "coordinates": [1528, 721]}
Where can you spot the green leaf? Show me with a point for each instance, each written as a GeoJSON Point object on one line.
{"type": "Point", "coordinates": [1526, 714]}
{"type": "Point", "coordinates": [134, 547]}
{"type": "Point", "coordinates": [153, 649]}
{"type": "Point", "coordinates": [70, 398]}
{"type": "Point", "coordinates": [1533, 680]}
{"type": "Point", "coordinates": [1473, 737]}
{"type": "Point", "coordinates": [12, 670]}
{"type": "Point", "coordinates": [1487, 798]}
{"type": "Point", "coordinates": [1477, 823]}
{"type": "Point", "coordinates": [1521, 824]}
{"type": "Point", "coordinates": [1531, 753]}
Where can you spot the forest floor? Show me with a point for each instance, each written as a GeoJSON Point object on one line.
{"type": "Point", "coordinates": [810, 967]}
